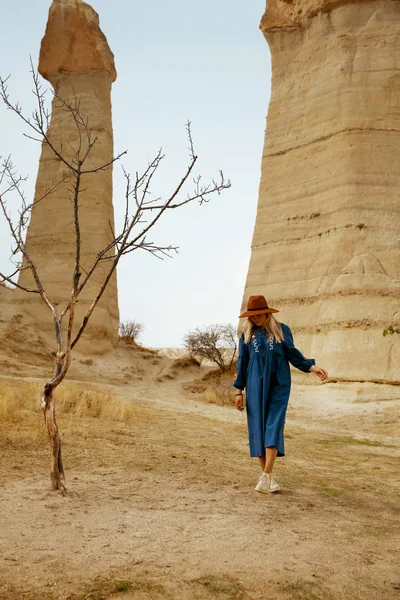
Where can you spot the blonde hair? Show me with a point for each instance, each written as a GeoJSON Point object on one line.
{"type": "Point", "coordinates": [271, 325]}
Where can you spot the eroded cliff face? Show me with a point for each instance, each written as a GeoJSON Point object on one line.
{"type": "Point", "coordinates": [326, 245]}
{"type": "Point", "coordinates": [294, 14]}
{"type": "Point", "coordinates": [76, 59]}
{"type": "Point", "coordinates": [6, 306]}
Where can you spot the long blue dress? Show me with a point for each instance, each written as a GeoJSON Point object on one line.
{"type": "Point", "coordinates": [263, 369]}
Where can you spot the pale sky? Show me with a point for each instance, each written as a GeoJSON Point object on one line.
{"type": "Point", "coordinates": [204, 61]}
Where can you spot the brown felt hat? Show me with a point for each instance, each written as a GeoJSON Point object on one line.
{"type": "Point", "coordinates": [257, 305]}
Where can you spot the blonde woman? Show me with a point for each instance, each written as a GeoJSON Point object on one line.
{"type": "Point", "coordinates": [265, 350]}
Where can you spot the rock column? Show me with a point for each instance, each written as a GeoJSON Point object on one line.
{"type": "Point", "coordinates": [78, 62]}
{"type": "Point", "coordinates": [326, 247]}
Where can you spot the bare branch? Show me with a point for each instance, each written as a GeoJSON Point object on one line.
{"type": "Point", "coordinates": [106, 165]}
{"type": "Point", "coordinates": [163, 208]}
{"type": "Point", "coordinates": [95, 302]}
{"type": "Point", "coordinates": [48, 192]}
{"type": "Point", "coordinates": [127, 194]}
{"type": "Point", "coordinates": [146, 178]}
{"type": "Point", "coordinates": [15, 283]}
{"type": "Point", "coordinates": [36, 123]}
{"type": "Point", "coordinates": [189, 132]}
{"type": "Point", "coordinates": [200, 193]}
{"type": "Point", "coordinates": [16, 231]}
{"type": "Point", "coordinates": [31, 137]}
{"type": "Point", "coordinates": [157, 251]}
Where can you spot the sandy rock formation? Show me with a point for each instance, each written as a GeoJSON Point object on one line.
{"type": "Point", "coordinates": [76, 59]}
{"type": "Point", "coordinates": [326, 247]}
{"type": "Point", "coordinates": [6, 308]}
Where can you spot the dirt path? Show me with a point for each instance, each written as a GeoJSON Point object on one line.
{"type": "Point", "coordinates": [165, 508]}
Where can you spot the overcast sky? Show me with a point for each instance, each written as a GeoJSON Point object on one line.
{"type": "Point", "coordinates": [204, 61]}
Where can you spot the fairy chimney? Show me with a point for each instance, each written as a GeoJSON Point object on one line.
{"type": "Point", "coordinates": [326, 247]}
{"type": "Point", "coordinates": [76, 59]}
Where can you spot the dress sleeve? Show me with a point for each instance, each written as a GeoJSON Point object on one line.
{"type": "Point", "coordinates": [243, 361]}
{"type": "Point", "coordinates": [293, 355]}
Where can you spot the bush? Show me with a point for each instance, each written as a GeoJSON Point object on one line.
{"type": "Point", "coordinates": [131, 330]}
{"type": "Point", "coordinates": [185, 362]}
{"type": "Point", "coordinates": [217, 343]}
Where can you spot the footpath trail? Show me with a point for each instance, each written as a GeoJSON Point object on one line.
{"type": "Point", "coordinates": [164, 507]}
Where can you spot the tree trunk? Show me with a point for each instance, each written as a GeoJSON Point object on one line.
{"type": "Point", "coordinates": [57, 469]}
{"type": "Point", "coordinates": [233, 358]}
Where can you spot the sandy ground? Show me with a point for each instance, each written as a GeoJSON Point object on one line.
{"type": "Point", "coordinates": [165, 507]}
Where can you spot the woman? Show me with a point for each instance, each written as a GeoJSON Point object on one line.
{"type": "Point", "coordinates": [265, 350]}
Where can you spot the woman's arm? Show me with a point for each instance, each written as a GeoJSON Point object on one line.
{"type": "Point", "coordinates": [242, 364]}
{"type": "Point", "coordinates": [293, 355]}
{"type": "Point", "coordinates": [241, 374]}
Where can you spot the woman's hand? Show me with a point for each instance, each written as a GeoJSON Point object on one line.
{"type": "Point", "coordinates": [321, 373]}
{"type": "Point", "coordinates": [239, 402]}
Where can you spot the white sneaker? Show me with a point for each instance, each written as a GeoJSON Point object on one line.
{"type": "Point", "coordinates": [267, 484]}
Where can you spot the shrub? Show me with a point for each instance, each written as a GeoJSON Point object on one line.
{"type": "Point", "coordinates": [217, 343]}
{"type": "Point", "coordinates": [131, 330]}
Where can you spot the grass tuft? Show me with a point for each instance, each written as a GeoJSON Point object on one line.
{"type": "Point", "coordinates": [104, 589]}
{"type": "Point", "coordinates": [304, 590]}
{"type": "Point", "coordinates": [328, 490]}
{"type": "Point", "coordinates": [354, 441]}
{"type": "Point", "coordinates": [123, 586]}
{"type": "Point", "coordinates": [185, 362]}
{"type": "Point", "coordinates": [223, 588]}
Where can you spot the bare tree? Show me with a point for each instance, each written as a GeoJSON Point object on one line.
{"type": "Point", "coordinates": [212, 344]}
{"type": "Point", "coordinates": [230, 338]}
{"type": "Point", "coordinates": [131, 330]}
{"type": "Point", "coordinates": [141, 214]}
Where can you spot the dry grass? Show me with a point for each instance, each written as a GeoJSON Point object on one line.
{"type": "Point", "coordinates": [17, 400]}
{"type": "Point", "coordinates": [215, 388]}
{"type": "Point", "coordinates": [195, 387]}
{"type": "Point", "coordinates": [104, 589]}
{"type": "Point", "coordinates": [212, 375]}
{"type": "Point", "coordinates": [348, 439]}
{"type": "Point", "coordinates": [220, 391]}
{"type": "Point", "coordinates": [185, 362]}
{"type": "Point", "coordinates": [207, 587]}
{"type": "Point", "coordinates": [305, 590]}
{"type": "Point", "coordinates": [99, 405]}
{"type": "Point", "coordinates": [21, 421]}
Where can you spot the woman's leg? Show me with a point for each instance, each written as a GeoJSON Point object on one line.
{"type": "Point", "coordinates": [267, 461]}
{"type": "Point", "coordinates": [266, 482]}
{"type": "Point", "coordinates": [270, 455]}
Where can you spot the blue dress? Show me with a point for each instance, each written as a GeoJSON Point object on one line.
{"type": "Point", "coordinates": [263, 369]}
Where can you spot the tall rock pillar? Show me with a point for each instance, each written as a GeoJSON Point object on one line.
{"type": "Point", "coordinates": [326, 245]}
{"type": "Point", "coordinates": [77, 60]}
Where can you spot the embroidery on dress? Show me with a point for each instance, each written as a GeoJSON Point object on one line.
{"type": "Point", "coordinates": [270, 341]}
{"type": "Point", "coordinates": [255, 344]}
